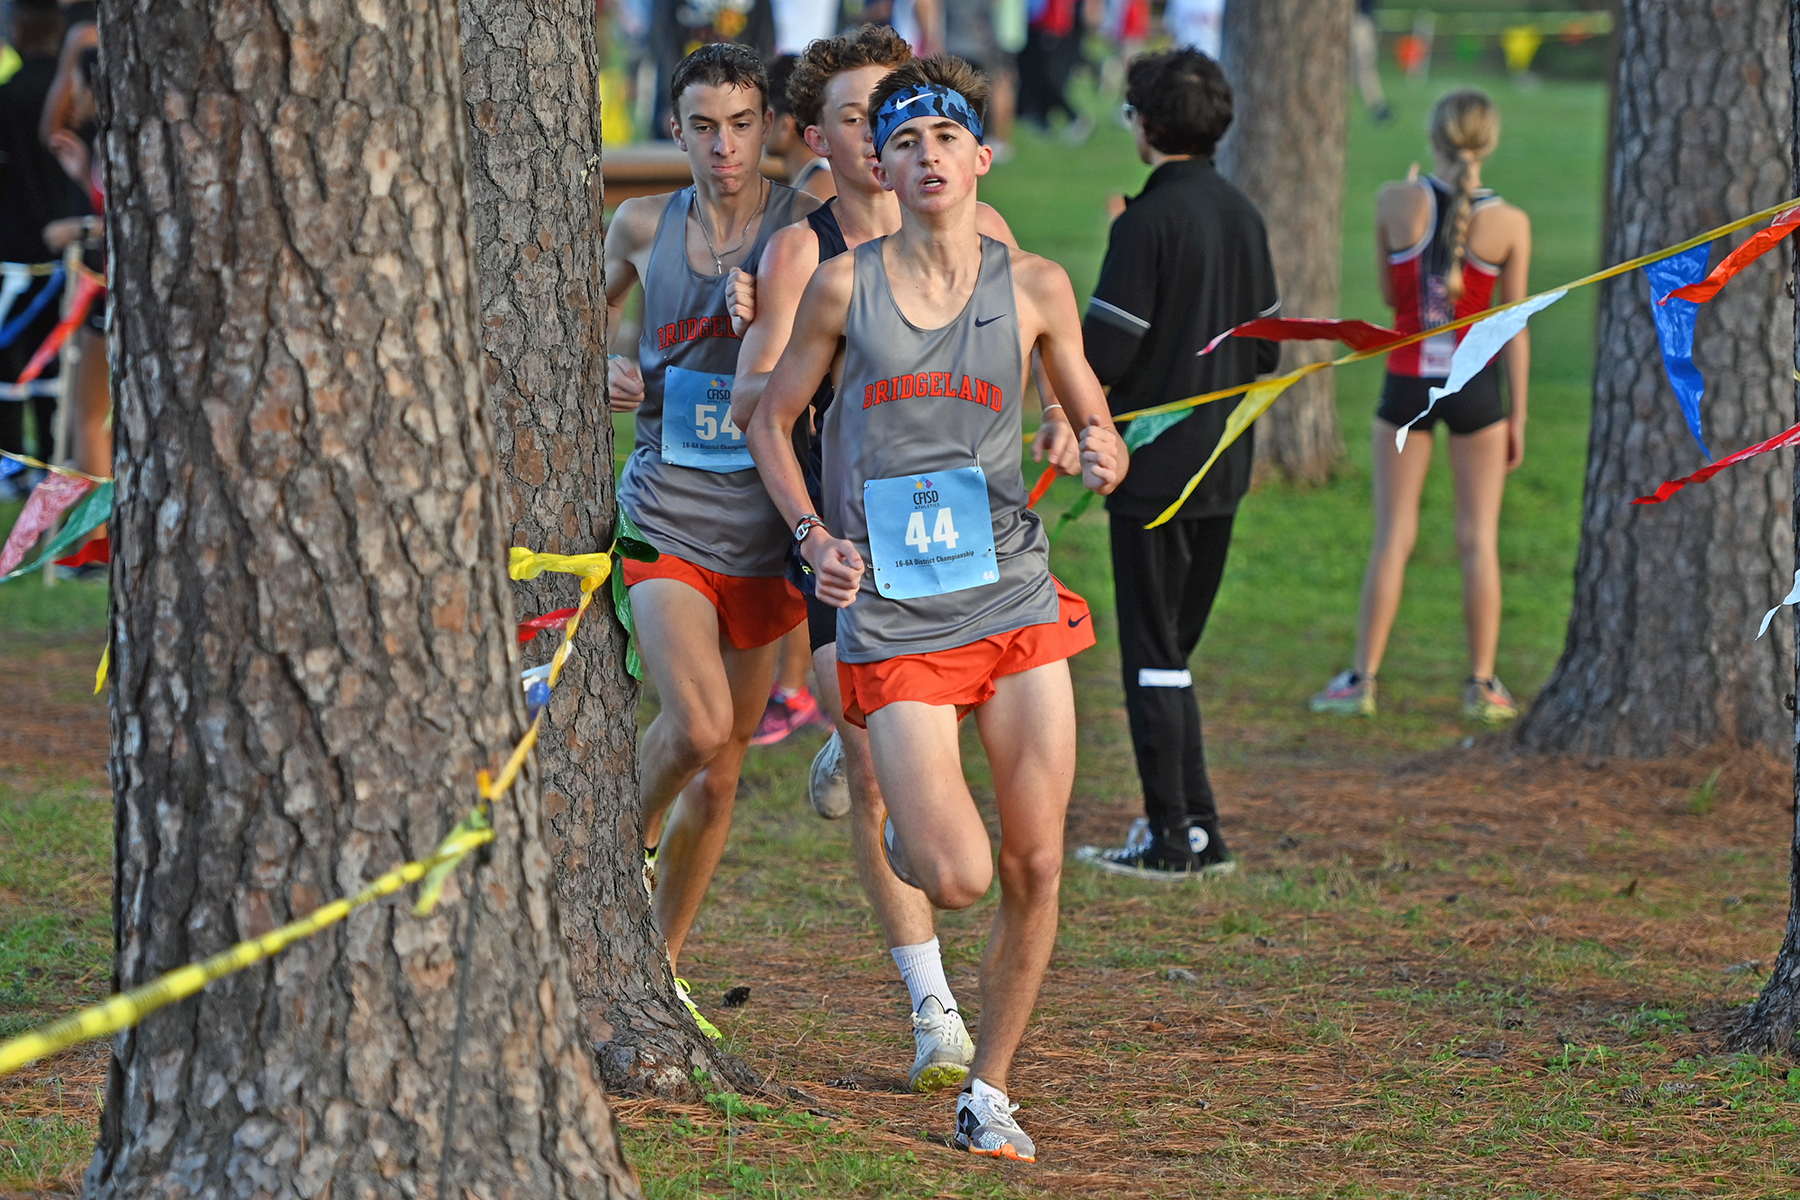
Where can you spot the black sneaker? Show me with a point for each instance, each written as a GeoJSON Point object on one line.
{"type": "Point", "coordinates": [1148, 856]}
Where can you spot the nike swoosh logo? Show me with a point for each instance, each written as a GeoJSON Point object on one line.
{"type": "Point", "coordinates": [913, 100]}
{"type": "Point", "coordinates": [979, 322]}
{"type": "Point", "coordinates": [1075, 622]}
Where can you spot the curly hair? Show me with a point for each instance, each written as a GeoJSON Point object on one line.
{"type": "Point", "coordinates": [870, 46]}
{"type": "Point", "coordinates": [941, 70]}
{"type": "Point", "coordinates": [1183, 99]}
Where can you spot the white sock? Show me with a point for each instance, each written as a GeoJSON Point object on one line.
{"type": "Point", "coordinates": [979, 1088]}
{"type": "Point", "coordinates": [922, 967]}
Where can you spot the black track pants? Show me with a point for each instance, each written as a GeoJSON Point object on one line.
{"type": "Point", "coordinates": [1165, 580]}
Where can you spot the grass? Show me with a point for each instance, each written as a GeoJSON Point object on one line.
{"type": "Point", "coordinates": [1442, 972]}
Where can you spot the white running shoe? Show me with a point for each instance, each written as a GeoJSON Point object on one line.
{"type": "Point", "coordinates": [985, 1126]}
{"type": "Point", "coordinates": [827, 788]}
{"type": "Point", "coordinates": [946, 1052]}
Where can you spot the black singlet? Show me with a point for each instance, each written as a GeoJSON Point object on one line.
{"type": "Point", "coordinates": [821, 618]}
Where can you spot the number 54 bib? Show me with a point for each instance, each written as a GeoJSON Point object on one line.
{"type": "Point", "coordinates": [930, 534]}
{"type": "Point", "coordinates": [697, 429]}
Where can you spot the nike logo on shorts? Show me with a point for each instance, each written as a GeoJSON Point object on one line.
{"type": "Point", "coordinates": [979, 322]}
{"type": "Point", "coordinates": [1075, 622]}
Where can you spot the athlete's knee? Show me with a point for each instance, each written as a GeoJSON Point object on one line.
{"type": "Point", "coordinates": [699, 733]}
{"type": "Point", "coordinates": [956, 882]}
{"type": "Point", "coordinates": [1476, 540]}
{"type": "Point", "coordinates": [1031, 873]}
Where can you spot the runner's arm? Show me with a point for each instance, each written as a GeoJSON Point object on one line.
{"type": "Point", "coordinates": [1057, 323]}
{"type": "Point", "coordinates": [1515, 285]}
{"type": "Point", "coordinates": [628, 238]}
{"type": "Point", "coordinates": [1055, 437]}
{"type": "Point", "coordinates": [788, 262]}
{"type": "Point", "coordinates": [817, 329]}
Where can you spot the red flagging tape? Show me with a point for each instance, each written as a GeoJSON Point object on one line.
{"type": "Point", "coordinates": [1358, 335]}
{"type": "Point", "coordinates": [1787, 437]}
{"type": "Point", "coordinates": [1758, 245]}
{"type": "Point", "coordinates": [550, 620]}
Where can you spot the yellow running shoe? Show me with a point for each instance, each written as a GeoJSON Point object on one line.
{"type": "Point", "coordinates": [706, 1026]}
{"type": "Point", "coordinates": [1488, 700]}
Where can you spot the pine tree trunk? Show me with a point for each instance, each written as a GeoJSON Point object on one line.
{"type": "Point", "coordinates": [531, 84]}
{"type": "Point", "coordinates": [1770, 1025]}
{"type": "Point", "coordinates": [1289, 66]}
{"type": "Point", "coordinates": [311, 635]}
{"type": "Point", "coordinates": [1662, 650]}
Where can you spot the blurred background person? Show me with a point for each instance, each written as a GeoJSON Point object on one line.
{"type": "Point", "coordinates": [1053, 35]}
{"type": "Point", "coordinates": [680, 27]}
{"type": "Point", "coordinates": [1197, 23]}
{"type": "Point", "coordinates": [34, 191]}
{"type": "Point", "coordinates": [1365, 55]}
{"type": "Point", "coordinates": [970, 34]}
{"type": "Point", "coordinates": [799, 23]}
{"type": "Point", "coordinates": [1449, 248]}
{"type": "Point", "coordinates": [70, 128]}
{"type": "Point", "coordinates": [806, 171]}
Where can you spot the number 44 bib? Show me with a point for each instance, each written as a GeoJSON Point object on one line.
{"type": "Point", "coordinates": [697, 429]}
{"type": "Point", "coordinates": [930, 534]}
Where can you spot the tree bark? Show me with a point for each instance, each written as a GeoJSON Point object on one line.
{"type": "Point", "coordinates": [1662, 649]}
{"type": "Point", "coordinates": [530, 78]}
{"type": "Point", "coordinates": [1289, 66]}
{"type": "Point", "coordinates": [312, 629]}
{"type": "Point", "coordinates": [1770, 1025]}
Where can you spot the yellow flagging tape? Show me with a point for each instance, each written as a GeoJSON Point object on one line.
{"type": "Point", "coordinates": [473, 831]}
{"type": "Point", "coordinates": [41, 465]}
{"type": "Point", "coordinates": [1623, 268]}
{"type": "Point", "coordinates": [128, 1008]}
{"type": "Point", "coordinates": [100, 671]}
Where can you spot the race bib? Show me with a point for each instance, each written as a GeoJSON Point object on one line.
{"type": "Point", "coordinates": [697, 429]}
{"type": "Point", "coordinates": [930, 534]}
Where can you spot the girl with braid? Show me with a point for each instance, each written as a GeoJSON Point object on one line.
{"type": "Point", "coordinates": [1447, 248]}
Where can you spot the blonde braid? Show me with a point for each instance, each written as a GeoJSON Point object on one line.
{"type": "Point", "coordinates": [1462, 210]}
{"type": "Point", "coordinates": [1464, 126]}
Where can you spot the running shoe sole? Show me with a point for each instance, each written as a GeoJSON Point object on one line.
{"type": "Point", "coordinates": [939, 1076]}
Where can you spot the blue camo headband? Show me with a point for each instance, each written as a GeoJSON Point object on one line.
{"type": "Point", "coordinates": [930, 99]}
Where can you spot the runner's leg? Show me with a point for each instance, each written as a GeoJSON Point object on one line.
{"type": "Point", "coordinates": [1478, 466]}
{"type": "Point", "coordinates": [712, 696]}
{"type": "Point", "coordinates": [1028, 729]}
{"type": "Point", "coordinates": [903, 912]}
{"type": "Point", "coordinates": [919, 765]}
{"type": "Point", "coordinates": [1399, 480]}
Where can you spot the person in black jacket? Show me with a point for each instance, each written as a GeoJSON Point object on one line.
{"type": "Point", "coordinates": [1187, 260]}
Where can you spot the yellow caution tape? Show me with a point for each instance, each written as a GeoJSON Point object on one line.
{"type": "Point", "coordinates": [474, 830]}
{"type": "Point", "coordinates": [128, 1008]}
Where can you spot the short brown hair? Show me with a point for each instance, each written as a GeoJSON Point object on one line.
{"type": "Point", "coordinates": [719, 64]}
{"type": "Point", "coordinates": [827, 58]}
{"type": "Point", "coordinates": [942, 70]}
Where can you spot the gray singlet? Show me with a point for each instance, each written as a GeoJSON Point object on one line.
{"type": "Point", "coordinates": [723, 521]}
{"type": "Point", "coordinates": [901, 411]}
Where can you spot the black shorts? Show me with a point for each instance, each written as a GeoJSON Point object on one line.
{"type": "Point", "coordinates": [1471, 410]}
{"type": "Point", "coordinates": [821, 623]}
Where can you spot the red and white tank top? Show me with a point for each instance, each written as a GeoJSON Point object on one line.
{"type": "Point", "coordinates": [1421, 289]}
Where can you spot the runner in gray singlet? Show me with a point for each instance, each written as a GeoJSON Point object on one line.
{"type": "Point", "coordinates": [710, 612]}
{"type": "Point", "coordinates": [872, 433]}
{"type": "Point", "coordinates": [941, 573]}
{"type": "Point", "coordinates": [723, 520]}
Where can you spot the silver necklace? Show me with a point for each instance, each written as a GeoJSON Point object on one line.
{"type": "Point", "coordinates": [718, 257]}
